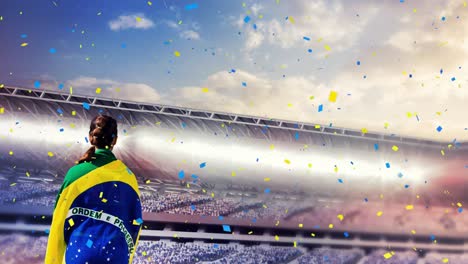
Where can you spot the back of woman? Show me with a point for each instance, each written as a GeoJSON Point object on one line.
{"type": "Point", "coordinates": [97, 216]}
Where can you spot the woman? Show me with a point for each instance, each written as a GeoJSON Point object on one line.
{"type": "Point", "coordinates": [97, 216]}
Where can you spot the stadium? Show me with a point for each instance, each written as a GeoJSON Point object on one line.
{"type": "Point", "coordinates": [227, 188]}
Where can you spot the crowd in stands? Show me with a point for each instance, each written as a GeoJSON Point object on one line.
{"type": "Point", "coordinates": [437, 258]}
{"type": "Point", "coordinates": [331, 256]}
{"type": "Point", "coordinates": [18, 248]}
{"type": "Point", "coordinates": [393, 257]}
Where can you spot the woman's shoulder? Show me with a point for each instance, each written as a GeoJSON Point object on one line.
{"type": "Point", "coordinates": [79, 170]}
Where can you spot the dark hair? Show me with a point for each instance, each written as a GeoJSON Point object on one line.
{"type": "Point", "coordinates": [102, 131]}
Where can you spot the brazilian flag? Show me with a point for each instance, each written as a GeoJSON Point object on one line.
{"type": "Point", "coordinates": [97, 216]}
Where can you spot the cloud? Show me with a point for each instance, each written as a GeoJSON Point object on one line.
{"type": "Point", "coordinates": [138, 92]}
{"type": "Point", "coordinates": [136, 21]}
{"type": "Point", "coordinates": [189, 34]}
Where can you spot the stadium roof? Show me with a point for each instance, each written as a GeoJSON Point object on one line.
{"type": "Point", "coordinates": [190, 113]}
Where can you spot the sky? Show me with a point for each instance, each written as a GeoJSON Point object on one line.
{"type": "Point", "coordinates": [395, 67]}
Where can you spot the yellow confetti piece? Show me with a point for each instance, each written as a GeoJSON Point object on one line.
{"type": "Point", "coordinates": [70, 222]}
{"type": "Point", "coordinates": [138, 19]}
{"type": "Point", "coordinates": [388, 255]}
{"type": "Point", "coordinates": [72, 125]}
{"type": "Point", "coordinates": [379, 213]}
{"type": "Point", "coordinates": [233, 174]}
{"type": "Point", "coordinates": [272, 146]}
{"type": "Point", "coordinates": [204, 90]}
{"type": "Point", "coordinates": [2, 110]}
{"type": "Point", "coordinates": [332, 96]}
{"type": "Point", "coordinates": [414, 10]}
{"type": "Point", "coordinates": [340, 216]}
{"type": "Point", "coordinates": [50, 154]}
{"type": "Point", "coordinates": [409, 207]}
{"type": "Point", "coordinates": [11, 153]}
{"type": "Point", "coordinates": [290, 105]}
{"type": "Point", "coordinates": [277, 223]}
{"type": "Point", "coordinates": [311, 97]}
{"type": "Point", "coordinates": [295, 243]}
{"type": "Point", "coordinates": [267, 179]}
{"type": "Point", "coordinates": [395, 148]}
{"type": "Point", "coordinates": [442, 152]}
{"type": "Point", "coordinates": [73, 113]}
{"type": "Point", "coordinates": [330, 226]}
{"type": "Point", "coordinates": [336, 169]}
{"type": "Point", "coordinates": [100, 194]}
{"type": "Point", "coordinates": [13, 184]}
{"type": "Point", "coordinates": [144, 253]}
{"type": "Point", "coordinates": [459, 204]}
{"type": "Point", "coordinates": [149, 3]}
{"type": "Point", "coordinates": [413, 232]}
{"type": "Point", "coordinates": [317, 126]}
{"type": "Point", "coordinates": [408, 114]}
{"type": "Point", "coordinates": [1, 18]}
{"type": "Point", "coordinates": [386, 125]}
{"type": "Point", "coordinates": [104, 200]}
{"type": "Point", "coordinates": [301, 225]}
{"type": "Point", "coordinates": [276, 237]}
{"type": "Point", "coordinates": [212, 194]}
{"type": "Point", "coordinates": [24, 44]}
{"type": "Point", "coordinates": [291, 19]}
{"type": "Point", "coordinates": [327, 47]}
{"type": "Point", "coordinates": [147, 181]}
{"type": "Point", "coordinates": [250, 232]}
{"type": "Point", "coordinates": [310, 165]}
{"type": "Point", "coordinates": [364, 130]}
{"type": "Point", "coordinates": [71, 90]}
{"type": "Point", "coordinates": [27, 174]}
{"type": "Point", "coordinates": [312, 234]}
{"type": "Point", "coordinates": [287, 161]}
{"type": "Point", "coordinates": [1, 85]}
{"type": "Point", "coordinates": [176, 53]}
{"type": "Point", "coordinates": [98, 90]}
{"type": "Point", "coordinates": [464, 4]}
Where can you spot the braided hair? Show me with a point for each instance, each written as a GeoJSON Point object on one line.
{"type": "Point", "coordinates": [102, 132]}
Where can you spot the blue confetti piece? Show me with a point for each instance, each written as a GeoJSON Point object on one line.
{"type": "Point", "coordinates": [129, 171]}
{"type": "Point", "coordinates": [358, 63]}
{"type": "Point", "coordinates": [47, 231]}
{"type": "Point", "coordinates": [453, 79]}
{"type": "Point", "coordinates": [246, 19]}
{"type": "Point", "coordinates": [443, 18]}
{"type": "Point", "coordinates": [194, 176]}
{"type": "Point", "coordinates": [89, 243]}
{"type": "Point", "coordinates": [202, 165]}
{"type": "Point", "coordinates": [192, 207]}
{"type": "Point", "coordinates": [60, 86]}
{"type": "Point", "coordinates": [24, 36]}
{"type": "Point", "coordinates": [183, 125]}
{"type": "Point", "coordinates": [460, 210]}
{"type": "Point", "coordinates": [226, 228]}
{"type": "Point", "coordinates": [220, 217]}
{"type": "Point", "coordinates": [400, 174]}
{"type": "Point", "coordinates": [296, 135]}
{"type": "Point", "coordinates": [86, 106]}
{"type": "Point", "coordinates": [432, 237]}
{"type": "Point", "coordinates": [439, 128]}
{"type": "Point", "coordinates": [306, 38]}
{"type": "Point", "coordinates": [402, 1]}
{"type": "Point", "coordinates": [37, 84]}
{"type": "Point", "coordinates": [181, 174]}
{"type": "Point", "coordinates": [215, 246]}
{"type": "Point", "coordinates": [254, 26]}
{"type": "Point", "coordinates": [244, 84]}
{"type": "Point", "coordinates": [387, 165]}
{"type": "Point", "coordinates": [52, 50]}
{"type": "Point", "coordinates": [139, 221]}
{"type": "Point", "coordinates": [123, 45]}
{"type": "Point", "coordinates": [257, 159]}
{"type": "Point", "coordinates": [267, 190]}
{"type": "Point", "coordinates": [340, 180]}
{"type": "Point", "coordinates": [325, 258]}
{"type": "Point", "coordinates": [406, 186]}
{"type": "Point", "coordinates": [86, 139]}
{"type": "Point", "coordinates": [366, 200]}
{"type": "Point", "coordinates": [346, 234]}
{"type": "Point", "coordinates": [320, 108]}
{"type": "Point", "coordinates": [376, 146]}
{"type": "Point", "coordinates": [309, 50]}
{"type": "Point", "coordinates": [191, 6]}
{"type": "Point", "coordinates": [441, 71]}
{"type": "Point", "coordinates": [411, 75]}
{"type": "Point", "coordinates": [352, 163]}
{"type": "Point", "coordinates": [60, 111]}
{"type": "Point", "coordinates": [233, 70]}
{"type": "Point", "coordinates": [61, 129]}
{"type": "Point", "coordinates": [254, 220]}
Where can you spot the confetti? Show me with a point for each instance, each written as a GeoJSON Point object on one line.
{"type": "Point", "coordinates": [98, 90]}
{"type": "Point", "coordinates": [376, 146]}
{"type": "Point", "coordinates": [89, 243]}
{"type": "Point", "coordinates": [181, 174]}
{"type": "Point", "coordinates": [276, 237]}
{"type": "Point", "coordinates": [332, 96]}
{"type": "Point", "coordinates": [226, 228]}
{"type": "Point", "coordinates": [409, 207]}
{"type": "Point", "coordinates": [346, 234]}
{"type": "Point", "coordinates": [439, 128]}
{"type": "Point", "coordinates": [387, 165]}
{"type": "Point", "coordinates": [2, 110]}
{"type": "Point", "coordinates": [50, 154]}
{"type": "Point", "coordinates": [287, 161]}
{"type": "Point", "coordinates": [24, 44]}
{"type": "Point", "coordinates": [52, 50]}
{"type": "Point", "coordinates": [395, 148]}
{"type": "Point", "coordinates": [340, 216]}
{"type": "Point", "coordinates": [246, 19]}
{"type": "Point", "coordinates": [309, 50]}
{"type": "Point", "coordinates": [389, 254]}
{"type": "Point", "coordinates": [364, 130]}
{"type": "Point", "coordinates": [202, 165]}
{"type": "Point", "coordinates": [358, 63]}
{"type": "Point", "coordinates": [320, 108]}
{"type": "Point", "coordinates": [86, 106]}
{"type": "Point", "coordinates": [306, 38]}
{"type": "Point", "coordinates": [379, 213]}
{"type": "Point", "coordinates": [149, 3]}
{"type": "Point", "coordinates": [60, 86]}
{"type": "Point", "coordinates": [205, 90]}
{"type": "Point", "coordinates": [191, 6]}
{"type": "Point", "coordinates": [37, 84]}
{"type": "Point", "coordinates": [327, 47]}
{"type": "Point", "coordinates": [176, 53]}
